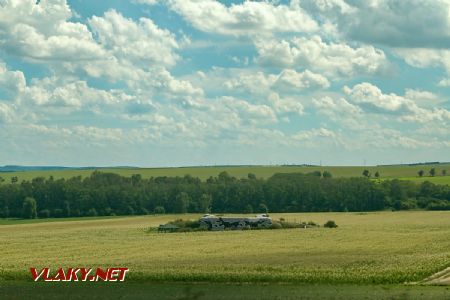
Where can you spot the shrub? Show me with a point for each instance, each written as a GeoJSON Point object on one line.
{"type": "Point", "coordinates": [408, 204]}
{"type": "Point", "coordinates": [311, 223]}
{"type": "Point", "coordinates": [159, 210]}
{"type": "Point", "coordinates": [263, 208]}
{"type": "Point", "coordinates": [143, 211]}
{"type": "Point", "coordinates": [276, 225]}
{"type": "Point", "coordinates": [29, 208]}
{"type": "Point", "coordinates": [330, 224]}
{"type": "Point", "coordinates": [43, 214]}
{"type": "Point", "coordinates": [92, 212]}
{"type": "Point", "coordinates": [58, 213]}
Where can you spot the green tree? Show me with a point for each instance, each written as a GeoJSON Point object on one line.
{"type": "Point", "coordinates": [29, 208]}
{"type": "Point", "coordinates": [248, 209]}
{"type": "Point", "coordinates": [205, 203]}
{"type": "Point", "coordinates": [5, 212]}
{"type": "Point", "coordinates": [181, 203]}
{"type": "Point", "coordinates": [159, 210]}
{"type": "Point", "coordinates": [66, 209]}
{"type": "Point", "coordinates": [251, 176]}
{"type": "Point", "coordinates": [444, 172]}
{"type": "Point", "coordinates": [377, 174]}
{"type": "Point", "coordinates": [92, 212]}
{"type": "Point", "coordinates": [420, 173]}
{"type": "Point", "coordinates": [366, 173]}
{"type": "Point", "coordinates": [14, 179]}
{"type": "Point", "coordinates": [432, 172]}
{"type": "Point", "coordinates": [326, 174]}
{"type": "Point", "coordinates": [262, 208]}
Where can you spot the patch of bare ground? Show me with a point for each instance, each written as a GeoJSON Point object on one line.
{"type": "Point", "coordinates": [439, 278]}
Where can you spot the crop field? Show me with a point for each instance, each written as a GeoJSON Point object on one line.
{"type": "Point", "coordinates": [370, 255]}
{"type": "Point", "coordinates": [403, 171]}
{"type": "Point", "coordinates": [366, 248]}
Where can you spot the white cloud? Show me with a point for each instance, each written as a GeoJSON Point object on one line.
{"type": "Point", "coordinates": [248, 112]}
{"type": "Point", "coordinates": [371, 99]}
{"type": "Point", "coordinates": [332, 59]}
{"type": "Point", "coordinates": [12, 81]}
{"type": "Point", "coordinates": [337, 108]}
{"type": "Point", "coordinates": [143, 43]}
{"type": "Point", "coordinates": [247, 18]}
{"type": "Point", "coordinates": [6, 113]}
{"type": "Point", "coordinates": [287, 80]}
{"type": "Point", "coordinates": [286, 104]}
{"type": "Point", "coordinates": [406, 24]}
{"type": "Point", "coordinates": [425, 58]}
{"type": "Point", "coordinates": [42, 32]}
{"type": "Point", "coordinates": [445, 82]}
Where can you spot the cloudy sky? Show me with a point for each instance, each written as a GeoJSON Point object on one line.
{"type": "Point", "coordinates": [203, 82]}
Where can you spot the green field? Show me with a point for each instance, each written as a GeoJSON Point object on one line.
{"type": "Point", "coordinates": [381, 247]}
{"type": "Point", "coordinates": [217, 291]}
{"type": "Point", "coordinates": [242, 171]}
{"type": "Point", "coordinates": [370, 255]}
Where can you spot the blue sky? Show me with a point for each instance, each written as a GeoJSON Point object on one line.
{"type": "Point", "coordinates": [202, 82]}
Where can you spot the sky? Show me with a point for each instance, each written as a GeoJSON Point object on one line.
{"type": "Point", "coordinates": [155, 83]}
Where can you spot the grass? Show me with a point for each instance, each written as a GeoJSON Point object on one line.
{"type": "Point", "coordinates": [239, 171]}
{"type": "Point", "coordinates": [218, 291]}
{"type": "Point", "coordinates": [366, 248]}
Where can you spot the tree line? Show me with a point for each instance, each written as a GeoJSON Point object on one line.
{"type": "Point", "coordinates": [111, 194]}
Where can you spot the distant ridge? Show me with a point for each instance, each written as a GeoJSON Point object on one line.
{"type": "Point", "coordinates": [15, 168]}
{"type": "Point", "coordinates": [416, 164]}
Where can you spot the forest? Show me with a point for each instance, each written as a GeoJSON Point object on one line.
{"type": "Point", "coordinates": [108, 194]}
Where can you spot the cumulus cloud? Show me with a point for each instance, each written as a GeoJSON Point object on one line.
{"type": "Point", "coordinates": [41, 32]}
{"type": "Point", "coordinates": [12, 81]}
{"type": "Point", "coordinates": [371, 99]}
{"type": "Point", "coordinates": [142, 43]}
{"type": "Point", "coordinates": [408, 24]}
{"type": "Point", "coordinates": [287, 80]}
{"type": "Point", "coordinates": [445, 82]}
{"type": "Point", "coordinates": [247, 18]}
{"type": "Point", "coordinates": [425, 58]}
{"type": "Point", "coordinates": [332, 59]}
{"type": "Point", "coordinates": [6, 113]}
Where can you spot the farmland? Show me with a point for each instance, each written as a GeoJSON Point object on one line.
{"type": "Point", "coordinates": [370, 255]}
{"type": "Point", "coordinates": [366, 248]}
{"type": "Point", "coordinates": [400, 171]}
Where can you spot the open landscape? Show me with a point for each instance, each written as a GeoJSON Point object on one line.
{"type": "Point", "coordinates": [398, 250]}
{"type": "Point", "coordinates": [225, 149]}
{"type": "Point", "coordinates": [395, 171]}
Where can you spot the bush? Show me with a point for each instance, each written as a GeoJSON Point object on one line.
{"type": "Point", "coordinates": [58, 213]}
{"type": "Point", "coordinates": [186, 223]}
{"type": "Point", "coordinates": [143, 211]}
{"type": "Point", "coordinates": [29, 208]}
{"type": "Point", "coordinates": [43, 214]}
{"type": "Point", "coordinates": [408, 204]}
{"type": "Point", "coordinates": [92, 212]}
{"type": "Point", "coordinates": [276, 225]}
{"type": "Point", "coordinates": [330, 224]}
{"type": "Point", "coordinates": [439, 205]}
{"type": "Point", "coordinates": [263, 208]}
{"type": "Point", "coordinates": [159, 210]}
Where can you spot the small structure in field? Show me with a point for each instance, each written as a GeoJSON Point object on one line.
{"type": "Point", "coordinates": [167, 228]}
{"type": "Point", "coordinates": [215, 223]}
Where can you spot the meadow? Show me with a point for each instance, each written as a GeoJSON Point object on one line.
{"type": "Point", "coordinates": [366, 248]}
{"type": "Point", "coordinates": [400, 171]}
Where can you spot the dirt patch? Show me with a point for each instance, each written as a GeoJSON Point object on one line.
{"type": "Point", "coordinates": [439, 278]}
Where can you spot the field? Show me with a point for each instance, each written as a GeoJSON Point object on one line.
{"type": "Point", "coordinates": [382, 247]}
{"type": "Point", "coordinates": [370, 255]}
{"type": "Point", "coordinates": [403, 171]}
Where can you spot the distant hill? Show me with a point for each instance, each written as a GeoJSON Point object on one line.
{"type": "Point", "coordinates": [14, 168]}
